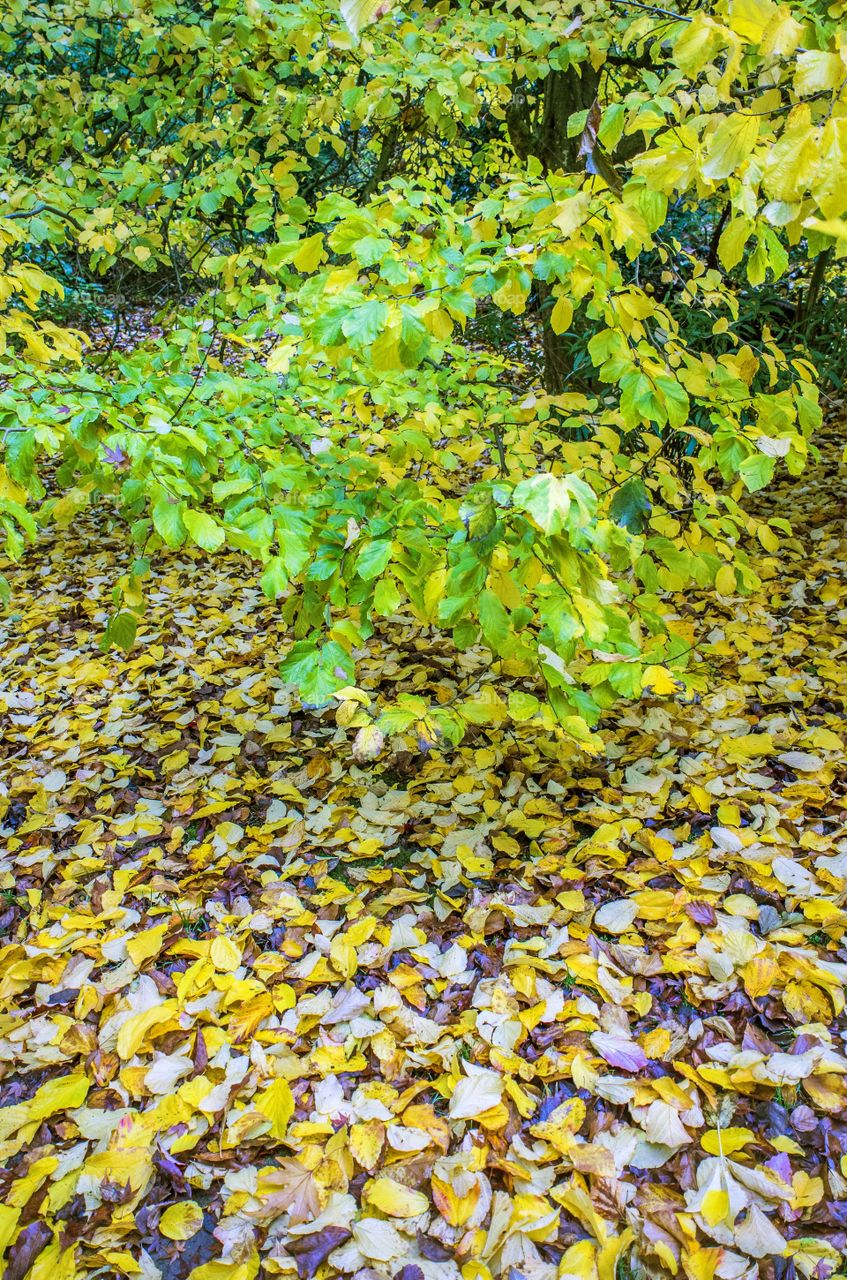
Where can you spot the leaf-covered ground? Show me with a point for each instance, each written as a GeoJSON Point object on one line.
{"type": "Point", "coordinates": [510, 1010]}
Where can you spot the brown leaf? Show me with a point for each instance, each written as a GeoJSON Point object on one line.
{"type": "Point", "coordinates": [588, 141]}
{"type": "Point", "coordinates": [701, 913]}
{"type": "Point", "coordinates": [433, 1250]}
{"type": "Point", "coordinates": [596, 161]}
{"type": "Point", "coordinates": [200, 1057]}
{"type": "Point", "coordinates": [293, 1189]}
{"type": "Point", "coordinates": [23, 1253]}
{"type": "Point", "coordinates": [311, 1250]}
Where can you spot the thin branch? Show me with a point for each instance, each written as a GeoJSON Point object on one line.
{"type": "Point", "coordinates": [651, 8]}
{"type": "Point", "coordinates": [43, 208]}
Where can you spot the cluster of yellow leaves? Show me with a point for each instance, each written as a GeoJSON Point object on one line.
{"type": "Point", "coordinates": [23, 285]}
{"type": "Point", "coordinates": [268, 1010]}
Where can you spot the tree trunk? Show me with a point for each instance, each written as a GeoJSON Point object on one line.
{"type": "Point", "coordinates": [555, 363]}
{"type": "Point", "coordinates": [806, 318]}
{"type": "Point", "coordinates": [538, 127]}
{"type": "Point", "coordinates": [383, 164]}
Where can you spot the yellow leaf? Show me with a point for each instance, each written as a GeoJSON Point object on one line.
{"type": "Point", "coordinates": [610, 1254]}
{"type": "Point", "coordinates": [342, 955]}
{"type": "Point", "coordinates": [134, 1031]}
{"type": "Point", "coordinates": [659, 680]}
{"type": "Point", "coordinates": [395, 1199]}
{"type": "Point", "coordinates": [788, 1145]}
{"type": "Point", "coordinates": [362, 930]}
{"type": "Point", "coordinates": [715, 1207]}
{"type": "Point", "coordinates": [9, 1215]}
{"type": "Point", "coordinates": [277, 1104]}
{"type": "Point", "coordinates": [359, 13]}
{"type": "Point", "coordinates": [767, 537]}
{"type": "Point", "coordinates": [279, 359]}
{"type": "Point", "coordinates": [135, 1166]}
{"type": "Point", "coordinates": [146, 944]}
{"type": "Point", "coordinates": [725, 583]}
{"type": "Point", "coordinates": [61, 1094]}
{"type": "Point", "coordinates": [571, 212]}
{"type": "Point", "coordinates": [475, 1270]}
{"type": "Point", "coordinates": [561, 1125]}
{"type": "Point", "coordinates": [830, 185]}
{"type": "Point", "coordinates": [835, 227]}
{"type": "Point", "coordinates": [368, 743]}
{"type": "Point", "coordinates": [748, 746]}
{"type": "Point", "coordinates": [181, 1221]}
{"type": "Point", "coordinates": [474, 864]}
{"type": "Point", "coordinates": [807, 1191]}
{"type": "Point", "coordinates": [817, 71]}
{"type": "Point", "coordinates": [730, 145]}
{"type": "Point", "coordinates": [760, 975]}
{"type": "Point", "coordinates": [726, 1141]}
{"type": "Point", "coordinates": [577, 1262]}
{"type": "Point", "coordinates": [225, 954]}
{"type": "Point", "coordinates": [752, 18]}
{"type": "Point", "coordinates": [561, 315]}
{"type": "Point", "coordinates": [309, 253]}
{"type": "Point", "coordinates": [219, 1269]}
{"type": "Point", "coordinates": [439, 323]}
{"type": "Point", "coordinates": [455, 1203]}
{"type": "Point", "coordinates": [366, 1142]}
{"type": "Point", "coordinates": [793, 160]}
{"type": "Point", "coordinates": [656, 1043]}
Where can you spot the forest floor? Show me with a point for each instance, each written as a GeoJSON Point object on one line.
{"type": "Point", "coordinates": [505, 1010]}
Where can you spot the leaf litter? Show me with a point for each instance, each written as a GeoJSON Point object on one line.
{"type": "Point", "coordinates": [270, 1009]}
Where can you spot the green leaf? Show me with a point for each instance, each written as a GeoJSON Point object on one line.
{"type": "Point", "coordinates": [414, 338]}
{"type": "Point", "coordinates": [756, 471]}
{"type": "Point", "coordinates": [523, 706]}
{"type": "Point", "coordinates": [583, 498]}
{"type": "Point", "coordinates": [20, 455]}
{"type": "Point", "coordinates": [494, 620]}
{"type": "Point", "coordinates": [373, 558]}
{"type": "Point", "coordinates": [398, 719]}
{"type": "Point", "coordinates": [363, 325]}
{"type": "Point", "coordinates": [630, 505]}
{"type": "Point", "coordinates": [224, 489]}
{"type": "Point", "coordinates": [274, 580]}
{"type": "Point", "coordinates": [328, 327]}
{"type": "Point", "coordinates": [168, 521]}
{"type": "Point", "coordinates": [451, 609]}
{"type": "Point", "coordinates": [120, 631]}
{"type": "Point", "coordinates": [386, 598]}
{"type": "Point", "coordinates": [612, 125]}
{"type": "Point", "coordinates": [317, 671]}
{"type": "Point", "coordinates": [625, 678]}
{"type": "Point", "coordinates": [546, 498]}
{"type": "Point", "coordinates": [204, 530]}
{"type": "Point", "coordinates": [674, 401]}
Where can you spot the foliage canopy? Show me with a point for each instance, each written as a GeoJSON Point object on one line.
{"type": "Point", "coordinates": [340, 201]}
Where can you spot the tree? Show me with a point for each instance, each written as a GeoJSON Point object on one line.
{"type": "Point", "coordinates": [329, 201]}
